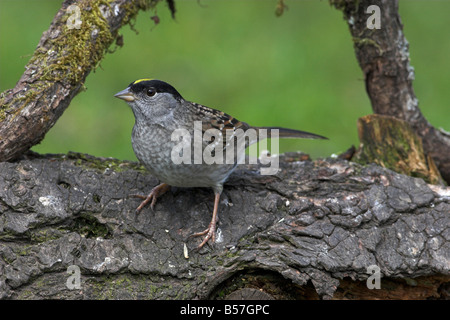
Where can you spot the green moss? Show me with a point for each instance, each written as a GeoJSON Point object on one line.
{"type": "Point", "coordinates": [102, 164]}
{"type": "Point", "coordinates": [136, 286]}
{"type": "Point", "coordinates": [76, 50]}
{"type": "Point", "coordinates": [88, 226]}
{"type": "Point", "coordinates": [44, 235]}
{"type": "Point", "coordinates": [361, 42]}
{"type": "Point", "coordinates": [7, 235]}
{"type": "Point", "coordinates": [70, 54]}
{"type": "Point", "coordinates": [393, 144]}
{"type": "Point", "coordinates": [24, 251]}
{"type": "Point", "coordinates": [3, 107]}
{"type": "Point", "coordinates": [26, 294]}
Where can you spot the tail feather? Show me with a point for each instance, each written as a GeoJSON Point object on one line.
{"type": "Point", "coordinates": [291, 133]}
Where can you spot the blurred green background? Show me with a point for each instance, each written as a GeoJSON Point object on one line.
{"type": "Point", "coordinates": [298, 70]}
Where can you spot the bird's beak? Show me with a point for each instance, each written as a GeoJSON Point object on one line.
{"type": "Point", "coordinates": [126, 95]}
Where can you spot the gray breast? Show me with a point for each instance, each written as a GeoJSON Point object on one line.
{"type": "Point", "coordinates": [154, 147]}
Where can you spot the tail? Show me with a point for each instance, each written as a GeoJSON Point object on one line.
{"type": "Point", "coordinates": [290, 133]}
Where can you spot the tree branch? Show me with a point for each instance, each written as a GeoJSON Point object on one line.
{"type": "Point", "coordinates": [384, 59]}
{"type": "Point", "coordinates": [58, 68]}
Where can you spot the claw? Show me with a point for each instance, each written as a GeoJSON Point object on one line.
{"type": "Point", "coordinates": [152, 196]}
{"type": "Point", "coordinates": [210, 232]}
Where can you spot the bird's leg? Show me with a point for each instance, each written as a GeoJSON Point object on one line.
{"type": "Point", "coordinates": [211, 230]}
{"type": "Point", "coordinates": [152, 196]}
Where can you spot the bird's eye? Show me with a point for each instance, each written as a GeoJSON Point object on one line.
{"type": "Point", "coordinates": [151, 92]}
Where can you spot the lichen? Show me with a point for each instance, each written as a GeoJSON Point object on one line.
{"type": "Point", "coordinates": [360, 42]}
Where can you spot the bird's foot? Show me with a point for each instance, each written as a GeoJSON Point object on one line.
{"type": "Point", "coordinates": [152, 196]}
{"type": "Point", "coordinates": [210, 232]}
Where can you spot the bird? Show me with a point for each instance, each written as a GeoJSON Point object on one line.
{"type": "Point", "coordinates": [162, 134]}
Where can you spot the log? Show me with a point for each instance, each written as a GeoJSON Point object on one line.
{"type": "Point", "coordinates": [315, 230]}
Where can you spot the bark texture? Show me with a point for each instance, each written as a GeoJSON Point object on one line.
{"type": "Point", "coordinates": [311, 231]}
{"type": "Point", "coordinates": [383, 55]}
{"type": "Point", "coordinates": [393, 144]}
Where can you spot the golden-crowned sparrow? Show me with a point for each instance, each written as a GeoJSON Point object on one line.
{"type": "Point", "coordinates": [163, 118]}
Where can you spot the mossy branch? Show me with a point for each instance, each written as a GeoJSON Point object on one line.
{"type": "Point", "coordinates": [58, 68]}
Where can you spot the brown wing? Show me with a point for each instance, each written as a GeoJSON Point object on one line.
{"type": "Point", "coordinates": [215, 119]}
{"type": "Point", "coordinates": [229, 128]}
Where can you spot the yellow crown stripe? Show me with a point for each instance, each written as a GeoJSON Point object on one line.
{"type": "Point", "coordinates": [140, 80]}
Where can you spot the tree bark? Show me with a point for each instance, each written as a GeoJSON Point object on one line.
{"type": "Point", "coordinates": [384, 59]}
{"type": "Point", "coordinates": [311, 231]}
{"type": "Point", "coordinates": [55, 74]}
{"type": "Point", "coordinates": [393, 144]}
